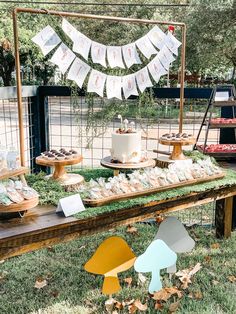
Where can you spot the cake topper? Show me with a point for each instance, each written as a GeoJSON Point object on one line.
{"type": "Point", "coordinates": [126, 122]}
{"type": "Point", "coordinates": [121, 121]}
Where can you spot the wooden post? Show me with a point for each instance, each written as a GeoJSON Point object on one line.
{"type": "Point", "coordinates": [19, 86]}
{"type": "Point", "coordinates": [223, 217]}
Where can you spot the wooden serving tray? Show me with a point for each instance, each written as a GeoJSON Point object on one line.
{"type": "Point", "coordinates": [17, 207]}
{"type": "Point", "coordinates": [125, 196]}
{"type": "Point", "coordinates": [5, 174]}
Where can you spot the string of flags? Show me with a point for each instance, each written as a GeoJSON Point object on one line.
{"type": "Point", "coordinates": [116, 56]}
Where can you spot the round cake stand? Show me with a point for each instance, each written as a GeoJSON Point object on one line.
{"type": "Point", "coordinates": [177, 152]}
{"type": "Point", "coordinates": [106, 162]}
{"type": "Point", "coordinates": [60, 174]}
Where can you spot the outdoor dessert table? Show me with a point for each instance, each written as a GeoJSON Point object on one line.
{"type": "Point", "coordinates": [42, 227]}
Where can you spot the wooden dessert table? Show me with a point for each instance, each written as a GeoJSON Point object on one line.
{"type": "Point", "coordinates": [60, 174]}
{"type": "Point", "coordinates": [106, 162]}
{"type": "Point", "coordinates": [177, 153]}
{"type": "Point", "coordinates": [42, 227]}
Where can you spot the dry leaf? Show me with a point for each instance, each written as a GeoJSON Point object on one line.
{"type": "Point", "coordinates": [132, 309]}
{"type": "Point", "coordinates": [54, 293]}
{"type": "Point", "coordinates": [175, 290]}
{"type": "Point", "coordinates": [173, 307]}
{"type": "Point", "coordinates": [232, 278]}
{"type": "Point", "coordinates": [161, 295]}
{"type": "Point", "coordinates": [159, 219]}
{"type": "Point", "coordinates": [129, 302]}
{"type": "Point", "coordinates": [114, 312]}
{"type": "Point", "coordinates": [158, 306]}
{"type": "Point", "coordinates": [128, 281]}
{"type": "Point", "coordinates": [215, 246]}
{"type": "Point", "coordinates": [132, 230]}
{"type": "Point", "coordinates": [141, 307]}
{"type": "Point", "coordinates": [119, 305]}
{"type": "Point", "coordinates": [40, 283]}
{"type": "Point", "coordinates": [141, 279]}
{"type": "Point", "coordinates": [186, 274]}
{"type": "Point", "coordinates": [207, 258]}
{"type": "Point", "coordinates": [198, 295]}
{"type": "Point", "coordinates": [215, 282]}
{"type": "Point", "coordinates": [109, 305]}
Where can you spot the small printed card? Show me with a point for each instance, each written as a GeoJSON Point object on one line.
{"type": "Point", "coordinates": [70, 205]}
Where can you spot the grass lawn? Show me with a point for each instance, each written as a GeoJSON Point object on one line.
{"type": "Point", "coordinates": [70, 289]}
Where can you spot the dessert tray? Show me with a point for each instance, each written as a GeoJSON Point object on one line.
{"type": "Point", "coordinates": [149, 181]}
{"type": "Point", "coordinates": [59, 160]}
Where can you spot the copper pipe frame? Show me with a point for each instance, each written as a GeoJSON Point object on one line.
{"type": "Point", "coordinates": [86, 16]}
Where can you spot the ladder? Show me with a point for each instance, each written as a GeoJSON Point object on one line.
{"type": "Point", "coordinates": [218, 150]}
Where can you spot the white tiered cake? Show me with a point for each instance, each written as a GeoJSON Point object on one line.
{"type": "Point", "coordinates": [126, 147]}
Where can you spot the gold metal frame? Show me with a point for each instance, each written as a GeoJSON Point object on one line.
{"type": "Point", "coordinates": [15, 13]}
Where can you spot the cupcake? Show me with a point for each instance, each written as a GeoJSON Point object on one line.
{"type": "Point", "coordinates": [50, 156]}
{"type": "Point", "coordinates": [60, 157]}
{"type": "Point", "coordinates": [68, 155]}
{"type": "Point", "coordinates": [74, 153]}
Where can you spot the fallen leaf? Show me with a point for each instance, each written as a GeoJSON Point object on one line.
{"type": "Point", "coordinates": [198, 295]}
{"type": "Point", "coordinates": [186, 274]}
{"type": "Point", "coordinates": [158, 306]}
{"type": "Point", "coordinates": [109, 305]}
{"type": "Point", "coordinates": [128, 281]}
{"type": "Point", "coordinates": [159, 219]}
{"type": "Point", "coordinates": [119, 305]}
{"type": "Point", "coordinates": [54, 293]}
{"type": "Point", "coordinates": [215, 282]}
{"type": "Point", "coordinates": [40, 283]}
{"type": "Point", "coordinates": [232, 278]}
{"type": "Point", "coordinates": [173, 307]}
{"type": "Point", "coordinates": [215, 246]}
{"type": "Point", "coordinates": [207, 258]}
{"type": "Point", "coordinates": [132, 309]}
{"type": "Point", "coordinates": [175, 290]}
{"type": "Point", "coordinates": [141, 307]}
{"type": "Point", "coordinates": [114, 312]}
{"type": "Point", "coordinates": [132, 230]}
{"type": "Point", "coordinates": [161, 295]}
{"type": "Point", "coordinates": [129, 302]}
{"type": "Point", "coordinates": [141, 279]}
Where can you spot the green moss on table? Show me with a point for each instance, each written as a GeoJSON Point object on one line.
{"type": "Point", "coordinates": [50, 191]}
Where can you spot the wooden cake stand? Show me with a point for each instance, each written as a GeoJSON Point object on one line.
{"type": "Point", "coordinates": [177, 153]}
{"type": "Point", "coordinates": [60, 174]}
{"type": "Point", "coordinates": [106, 162]}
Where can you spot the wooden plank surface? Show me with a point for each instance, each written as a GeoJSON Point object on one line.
{"type": "Point", "coordinates": [5, 174]}
{"type": "Point", "coordinates": [44, 227]}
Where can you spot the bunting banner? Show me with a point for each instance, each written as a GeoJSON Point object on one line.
{"type": "Point", "coordinates": [143, 79]}
{"type": "Point", "coordinates": [47, 40]}
{"type": "Point", "coordinates": [98, 53]}
{"type": "Point", "coordinates": [96, 82]}
{"type": "Point", "coordinates": [78, 72]}
{"type": "Point", "coordinates": [113, 87]}
{"type": "Point", "coordinates": [114, 56]}
{"type": "Point", "coordinates": [63, 57]}
{"type": "Point", "coordinates": [129, 85]}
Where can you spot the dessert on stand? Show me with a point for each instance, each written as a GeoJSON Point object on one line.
{"type": "Point", "coordinates": [16, 197]}
{"type": "Point", "coordinates": [59, 159]}
{"type": "Point", "coordinates": [126, 151]}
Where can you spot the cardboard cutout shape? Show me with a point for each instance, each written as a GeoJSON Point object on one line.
{"type": "Point", "coordinates": [111, 257]}
{"type": "Point", "coordinates": [174, 234]}
{"type": "Point", "coordinates": [157, 256]}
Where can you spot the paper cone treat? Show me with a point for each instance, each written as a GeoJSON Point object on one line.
{"type": "Point", "coordinates": [111, 257]}
{"type": "Point", "coordinates": [156, 257]}
{"type": "Point", "coordinates": [174, 234]}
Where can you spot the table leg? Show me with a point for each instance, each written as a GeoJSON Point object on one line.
{"type": "Point", "coordinates": [177, 153]}
{"type": "Point", "coordinates": [223, 217]}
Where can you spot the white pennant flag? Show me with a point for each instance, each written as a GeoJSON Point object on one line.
{"type": "Point", "coordinates": [172, 43]}
{"type": "Point", "coordinates": [130, 55]}
{"type": "Point", "coordinates": [113, 87]}
{"type": "Point", "coordinates": [157, 37]}
{"type": "Point", "coordinates": [98, 53]}
{"type": "Point", "coordinates": [78, 72]}
{"type": "Point", "coordinates": [129, 85]}
{"type": "Point", "coordinates": [81, 44]}
{"type": "Point", "coordinates": [143, 79]}
{"type": "Point", "coordinates": [156, 69]}
{"type": "Point", "coordinates": [96, 82]}
{"type": "Point", "coordinates": [69, 29]}
{"type": "Point", "coordinates": [114, 57]}
{"type": "Point", "coordinates": [47, 39]}
{"type": "Point", "coordinates": [145, 46]}
{"type": "Point", "coordinates": [63, 57]}
{"type": "Point", "coordinates": [166, 57]}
